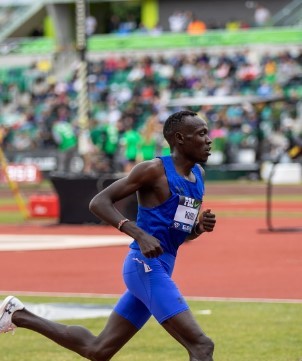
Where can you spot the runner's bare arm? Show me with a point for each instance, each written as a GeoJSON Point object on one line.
{"type": "Point", "coordinates": [143, 175]}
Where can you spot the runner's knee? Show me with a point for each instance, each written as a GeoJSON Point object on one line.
{"type": "Point", "coordinates": [100, 352]}
{"type": "Point", "coordinates": [203, 350]}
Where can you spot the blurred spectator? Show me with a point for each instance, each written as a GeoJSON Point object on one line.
{"type": "Point", "coordinates": [106, 137]}
{"type": "Point", "coordinates": [156, 30]}
{"type": "Point", "coordinates": [270, 71]}
{"type": "Point", "coordinates": [128, 26]}
{"type": "Point", "coordinates": [85, 149]}
{"type": "Point", "coordinates": [218, 134]}
{"type": "Point", "coordinates": [178, 21]}
{"type": "Point", "coordinates": [196, 26]}
{"type": "Point", "coordinates": [65, 137]}
{"type": "Point", "coordinates": [40, 88]}
{"type": "Point", "coordinates": [141, 29]}
{"type": "Point", "coordinates": [98, 162]}
{"type": "Point", "coordinates": [265, 89]}
{"type": "Point", "coordinates": [148, 145]}
{"type": "Point", "coordinates": [233, 25]}
{"type": "Point", "coordinates": [114, 24]}
{"type": "Point", "coordinates": [130, 143]}
{"type": "Point", "coordinates": [91, 25]}
{"type": "Point", "coordinates": [262, 16]}
{"type": "Point", "coordinates": [278, 142]}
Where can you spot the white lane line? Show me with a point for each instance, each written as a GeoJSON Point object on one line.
{"type": "Point", "coordinates": [14, 242]}
{"type": "Point", "coordinates": [68, 311]}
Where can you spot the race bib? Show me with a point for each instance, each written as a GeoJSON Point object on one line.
{"type": "Point", "coordinates": [186, 214]}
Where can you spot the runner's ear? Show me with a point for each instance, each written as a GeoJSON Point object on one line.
{"type": "Point", "coordinates": [179, 137]}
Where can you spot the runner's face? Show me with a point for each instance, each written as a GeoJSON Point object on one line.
{"type": "Point", "coordinates": [197, 144]}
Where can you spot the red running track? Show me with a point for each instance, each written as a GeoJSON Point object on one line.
{"type": "Point", "coordinates": [239, 259]}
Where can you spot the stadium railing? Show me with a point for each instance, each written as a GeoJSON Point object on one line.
{"type": "Point", "coordinates": [165, 41]}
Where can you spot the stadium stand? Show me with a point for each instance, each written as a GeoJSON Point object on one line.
{"type": "Point", "coordinates": [127, 91]}
{"type": "Point", "coordinates": [256, 93]}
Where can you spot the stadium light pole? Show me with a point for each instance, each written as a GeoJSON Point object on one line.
{"type": "Point", "coordinates": [81, 46]}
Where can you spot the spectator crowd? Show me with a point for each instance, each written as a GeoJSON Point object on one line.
{"type": "Point", "coordinates": [129, 101]}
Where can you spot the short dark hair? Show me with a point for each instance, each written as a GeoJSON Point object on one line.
{"type": "Point", "coordinates": [174, 123]}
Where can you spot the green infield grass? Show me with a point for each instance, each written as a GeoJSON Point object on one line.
{"type": "Point", "coordinates": [242, 331]}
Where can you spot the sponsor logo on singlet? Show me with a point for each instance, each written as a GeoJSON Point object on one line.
{"type": "Point", "coordinates": [186, 213]}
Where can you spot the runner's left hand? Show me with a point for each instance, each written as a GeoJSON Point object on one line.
{"type": "Point", "coordinates": [207, 221]}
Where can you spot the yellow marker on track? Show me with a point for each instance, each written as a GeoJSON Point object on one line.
{"type": "Point", "coordinates": [14, 187]}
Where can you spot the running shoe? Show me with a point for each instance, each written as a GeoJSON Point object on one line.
{"type": "Point", "coordinates": [10, 305]}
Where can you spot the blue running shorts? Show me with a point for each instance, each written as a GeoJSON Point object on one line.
{"type": "Point", "coordinates": [151, 290]}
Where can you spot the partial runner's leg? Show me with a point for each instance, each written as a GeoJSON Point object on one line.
{"type": "Point", "coordinates": [185, 329]}
{"type": "Point", "coordinates": [114, 336]}
{"type": "Point", "coordinates": [156, 289]}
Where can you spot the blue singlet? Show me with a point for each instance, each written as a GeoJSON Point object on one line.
{"type": "Point", "coordinates": [151, 291]}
